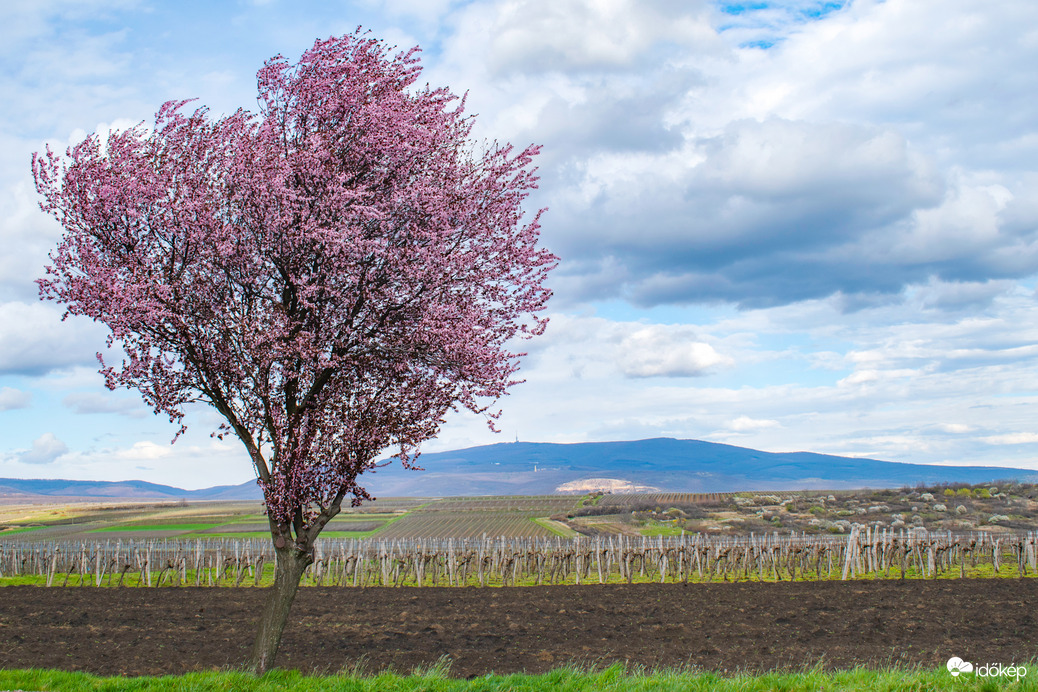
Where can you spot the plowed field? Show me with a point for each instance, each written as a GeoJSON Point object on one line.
{"type": "Point", "coordinates": [744, 626]}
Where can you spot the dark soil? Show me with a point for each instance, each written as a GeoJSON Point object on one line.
{"type": "Point", "coordinates": [722, 627]}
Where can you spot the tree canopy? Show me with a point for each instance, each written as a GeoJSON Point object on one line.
{"type": "Point", "coordinates": [333, 274]}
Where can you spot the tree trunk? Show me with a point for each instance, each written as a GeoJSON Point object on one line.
{"type": "Point", "coordinates": [289, 567]}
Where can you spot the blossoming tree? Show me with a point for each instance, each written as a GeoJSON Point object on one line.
{"type": "Point", "coordinates": [332, 274]}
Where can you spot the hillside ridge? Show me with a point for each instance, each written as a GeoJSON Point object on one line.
{"type": "Point", "coordinates": [540, 468]}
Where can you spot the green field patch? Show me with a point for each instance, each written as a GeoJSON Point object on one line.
{"type": "Point", "coordinates": [122, 528]}
{"type": "Point", "coordinates": [660, 529]}
{"type": "Point", "coordinates": [249, 536]}
{"type": "Point", "coordinates": [353, 526]}
{"type": "Point", "coordinates": [23, 529]}
{"type": "Point", "coordinates": [138, 536]}
{"type": "Point", "coordinates": [244, 519]}
{"type": "Point", "coordinates": [359, 526]}
{"type": "Point", "coordinates": [201, 519]}
{"type": "Point", "coordinates": [239, 527]}
{"type": "Point", "coordinates": [556, 527]}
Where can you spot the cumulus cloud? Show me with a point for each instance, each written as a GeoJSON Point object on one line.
{"type": "Point", "coordinates": [595, 348]}
{"type": "Point", "coordinates": [570, 35]}
{"type": "Point", "coordinates": [745, 424]}
{"type": "Point", "coordinates": [34, 340]}
{"type": "Point", "coordinates": [763, 213]}
{"type": "Point", "coordinates": [144, 450]}
{"type": "Point", "coordinates": [26, 233]}
{"type": "Point", "coordinates": [958, 296]}
{"type": "Point", "coordinates": [656, 351]}
{"type": "Point", "coordinates": [45, 450]}
{"type": "Point", "coordinates": [1018, 438]}
{"type": "Point", "coordinates": [92, 402]}
{"type": "Point", "coordinates": [683, 167]}
{"type": "Point", "coordinates": [194, 462]}
{"type": "Point", "coordinates": [11, 398]}
{"type": "Point", "coordinates": [844, 160]}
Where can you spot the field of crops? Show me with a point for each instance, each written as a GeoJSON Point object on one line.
{"type": "Point", "coordinates": [1013, 507]}
{"type": "Point", "coordinates": [660, 499]}
{"type": "Point", "coordinates": [609, 524]}
{"type": "Point", "coordinates": [361, 526]}
{"type": "Point", "coordinates": [465, 524]}
{"type": "Point", "coordinates": [428, 518]}
{"type": "Point", "coordinates": [535, 505]}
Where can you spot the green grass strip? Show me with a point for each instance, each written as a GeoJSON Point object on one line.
{"type": "Point", "coordinates": [24, 529]}
{"type": "Point", "coordinates": [555, 527]}
{"type": "Point", "coordinates": [613, 679]}
{"type": "Point", "coordinates": [155, 527]}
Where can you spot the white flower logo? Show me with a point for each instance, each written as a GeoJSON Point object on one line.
{"type": "Point", "coordinates": [956, 665]}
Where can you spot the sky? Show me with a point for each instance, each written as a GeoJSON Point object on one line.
{"type": "Point", "coordinates": [785, 225]}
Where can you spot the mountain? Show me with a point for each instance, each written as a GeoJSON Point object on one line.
{"type": "Point", "coordinates": [35, 490]}
{"type": "Point", "coordinates": [534, 468]}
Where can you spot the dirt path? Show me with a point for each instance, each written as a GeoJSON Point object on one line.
{"type": "Point", "coordinates": [714, 626]}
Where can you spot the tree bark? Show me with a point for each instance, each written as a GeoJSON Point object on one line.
{"type": "Point", "coordinates": [290, 564]}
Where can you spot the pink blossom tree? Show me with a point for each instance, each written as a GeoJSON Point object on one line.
{"type": "Point", "coordinates": [332, 274]}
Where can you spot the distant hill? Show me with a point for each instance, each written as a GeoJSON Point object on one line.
{"type": "Point", "coordinates": [534, 468]}
{"type": "Point", "coordinates": [31, 490]}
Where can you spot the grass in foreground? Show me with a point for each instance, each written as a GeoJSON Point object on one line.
{"type": "Point", "coordinates": [614, 678]}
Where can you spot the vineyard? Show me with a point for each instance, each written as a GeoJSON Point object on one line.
{"type": "Point", "coordinates": [1010, 507]}
{"type": "Point", "coordinates": [622, 500]}
{"type": "Point", "coordinates": [465, 525]}
{"type": "Point", "coordinates": [797, 579]}
{"type": "Point", "coordinates": [535, 505]}
{"type": "Point", "coordinates": [392, 519]}
{"type": "Point", "coordinates": [528, 561]}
